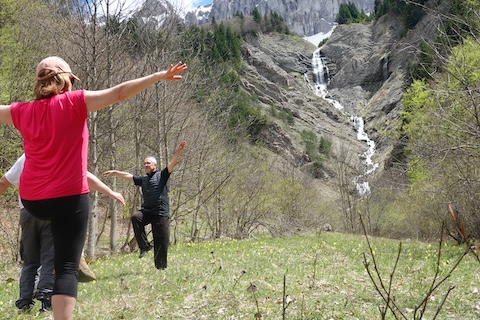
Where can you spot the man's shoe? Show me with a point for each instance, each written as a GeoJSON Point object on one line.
{"type": "Point", "coordinates": [144, 252]}
{"type": "Point", "coordinates": [45, 300]}
{"type": "Point", "coordinates": [25, 305]}
{"type": "Point", "coordinates": [46, 305]}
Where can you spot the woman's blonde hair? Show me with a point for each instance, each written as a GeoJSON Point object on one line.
{"type": "Point", "coordinates": [60, 83]}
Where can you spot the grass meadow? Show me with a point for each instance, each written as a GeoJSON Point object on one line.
{"type": "Point", "coordinates": [324, 276]}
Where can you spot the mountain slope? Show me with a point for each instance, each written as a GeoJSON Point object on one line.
{"type": "Point", "coordinates": [277, 67]}
{"type": "Point", "coordinates": [304, 18]}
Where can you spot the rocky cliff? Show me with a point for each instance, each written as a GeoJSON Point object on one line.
{"type": "Point", "coordinates": [368, 64]}
{"type": "Point", "coordinates": [277, 68]}
{"type": "Point", "coordinates": [303, 17]}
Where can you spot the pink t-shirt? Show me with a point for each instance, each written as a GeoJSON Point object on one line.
{"type": "Point", "coordinates": [55, 140]}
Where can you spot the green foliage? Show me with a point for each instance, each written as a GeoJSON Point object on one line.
{"type": "Point", "coordinates": [325, 147]}
{"type": "Point", "coordinates": [239, 14]}
{"type": "Point", "coordinates": [20, 50]}
{"type": "Point", "coordinates": [284, 115]}
{"type": "Point", "coordinates": [468, 22]}
{"type": "Point", "coordinates": [137, 37]}
{"type": "Point", "coordinates": [414, 99]}
{"type": "Point", "coordinates": [424, 65]}
{"type": "Point", "coordinates": [257, 17]}
{"type": "Point", "coordinates": [238, 113]}
{"type": "Point", "coordinates": [230, 280]}
{"type": "Point", "coordinates": [323, 42]}
{"type": "Point", "coordinates": [276, 24]}
{"type": "Point", "coordinates": [459, 22]}
{"type": "Point", "coordinates": [441, 122]}
{"type": "Point", "coordinates": [244, 114]}
{"type": "Point", "coordinates": [221, 44]}
{"type": "Point", "coordinates": [225, 45]}
{"type": "Point", "coordinates": [348, 13]}
{"type": "Point", "coordinates": [411, 12]}
{"type": "Point", "coordinates": [310, 140]}
{"type": "Point", "coordinates": [253, 24]}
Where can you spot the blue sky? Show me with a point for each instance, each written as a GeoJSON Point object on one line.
{"type": "Point", "coordinates": [188, 4]}
{"type": "Point", "coordinates": [181, 5]}
{"type": "Point", "coordinates": [201, 2]}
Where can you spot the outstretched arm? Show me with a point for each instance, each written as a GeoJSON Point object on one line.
{"type": "Point", "coordinates": [100, 99]}
{"type": "Point", "coordinates": [5, 115]}
{"type": "Point", "coordinates": [4, 184]}
{"type": "Point", "coordinates": [95, 184]}
{"type": "Point", "coordinates": [176, 155]}
{"type": "Point", "coordinates": [121, 174]}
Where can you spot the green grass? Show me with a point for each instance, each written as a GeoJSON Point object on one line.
{"type": "Point", "coordinates": [325, 279]}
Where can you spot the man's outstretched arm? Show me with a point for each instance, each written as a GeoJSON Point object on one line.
{"type": "Point", "coordinates": [175, 156]}
{"type": "Point", "coordinates": [121, 174]}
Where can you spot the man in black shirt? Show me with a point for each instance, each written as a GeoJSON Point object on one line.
{"type": "Point", "coordinates": [155, 206]}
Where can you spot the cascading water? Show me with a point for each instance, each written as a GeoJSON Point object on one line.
{"type": "Point", "coordinates": [321, 78]}
{"type": "Point", "coordinates": [321, 75]}
{"type": "Point", "coordinates": [363, 188]}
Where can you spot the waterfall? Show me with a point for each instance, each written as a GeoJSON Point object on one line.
{"type": "Point", "coordinates": [321, 77]}
{"type": "Point", "coordinates": [363, 188]}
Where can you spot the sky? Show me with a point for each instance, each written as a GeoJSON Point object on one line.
{"type": "Point", "coordinates": [181, 5]}
{"type": "Point", "coordinates": [189, 4]}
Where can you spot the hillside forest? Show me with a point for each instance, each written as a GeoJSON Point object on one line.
{"type": "Point", "coordinates": [227, 184]}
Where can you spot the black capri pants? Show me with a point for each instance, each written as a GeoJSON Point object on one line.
{"type": "Point", "coordinates": [69, 218]}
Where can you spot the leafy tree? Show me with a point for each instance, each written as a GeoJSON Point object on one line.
{"type": "Point", "coordinates": [20, 51]}
{"type": "Point", "coordinates": [441, 121]}
{"type": "Point", "coordinates": [410, 11]}
{"type": "Point", "coordinates": [325, 146]}
{"type": "Point", "coordinates": [277, 24]}
{"type": "Point", "coordinates": [311, 142]}
{"type": "Point", "coordinates": [239, 14]}
{"type": "Point", "coordinates": [257, 17]}
{"type": "Point", "coordinates": [348, 13]}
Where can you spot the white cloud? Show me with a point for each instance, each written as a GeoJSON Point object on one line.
{"type": "Point", "coordinates": [125, 6]}
{"type": "Point", "coordinates": [188, 5]}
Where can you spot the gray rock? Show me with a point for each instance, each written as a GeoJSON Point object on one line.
{"type": "Point", "coordinates": [303, 17]}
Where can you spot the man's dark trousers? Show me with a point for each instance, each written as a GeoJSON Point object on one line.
{"type": "Point", "coordinates": [161, 235]}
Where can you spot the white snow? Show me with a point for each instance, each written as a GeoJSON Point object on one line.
{"type": "Point", "coordinates": [319, 37]}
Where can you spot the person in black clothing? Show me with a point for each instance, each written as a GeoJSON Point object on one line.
{"type": "Point", "coordinates": [36, 244]}
{"type": "Point", "coordinates": [155, 207]}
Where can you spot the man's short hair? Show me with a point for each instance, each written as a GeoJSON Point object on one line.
{"type": "Point", "coordinates": [152, 159]}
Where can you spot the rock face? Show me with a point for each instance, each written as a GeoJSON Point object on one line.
{"type": "Point", "coordinates": [303, 17]}
{"type": "Point", "coordinates": [368, 65]}
{"type": "Point", "coordinates": [276, 69]}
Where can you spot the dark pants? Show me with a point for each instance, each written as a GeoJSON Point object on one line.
{"type": "Point", "coordinates": [68, 216]}
{"type": "Point", "coordinates": [161, 235]}
{"type": "Point", "coordinates": [36, 250]}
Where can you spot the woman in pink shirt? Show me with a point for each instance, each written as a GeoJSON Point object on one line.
{"type": "Point", "coordinates": [53, 184]}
